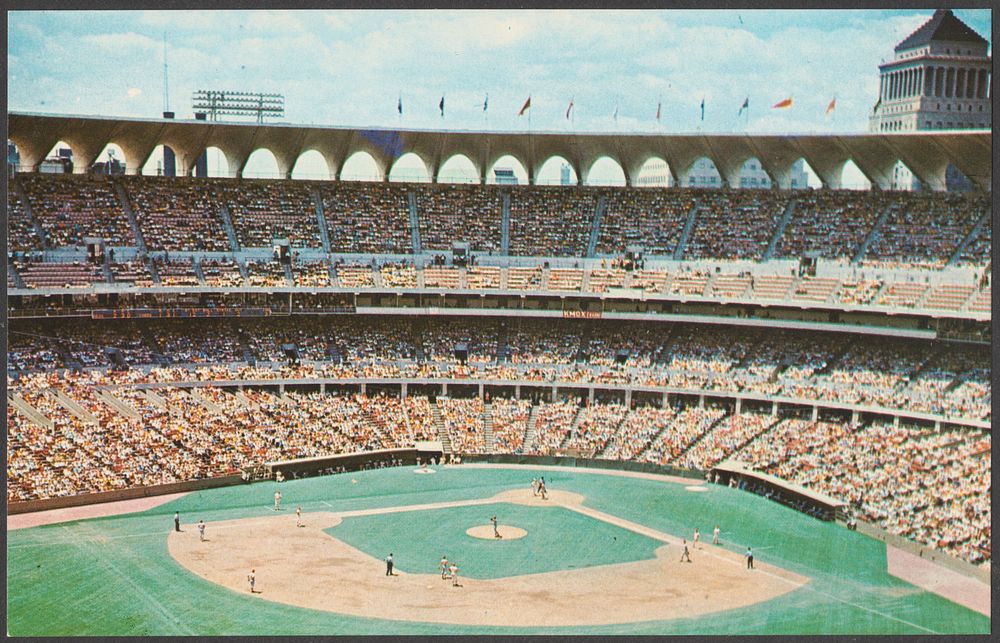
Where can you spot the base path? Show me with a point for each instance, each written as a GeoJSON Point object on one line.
{"type": "Point", "coordinates": [964, 590]}
{"type": "Point", "coordinates": [309, 568]}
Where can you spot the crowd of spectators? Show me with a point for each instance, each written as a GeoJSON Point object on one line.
{"type": "Point", "coordinates": [933, 487]}
{"type": "Point", "coordinates": [265, 272]}
{"type": "Point", "coordinates": [184, 213]}
{"type": "Point", "coordinates": [262, 211]}
{"type": "Point", "coordinates": [734, 224]}
{"type": "Point", "coordinates": [367, 217]}
{"type": "Point", "coordinates": [683, 429]}
{"type": "Point", "coordinates": [21, 233]}
{"type": "Point", "coordinates": [71, 208]}
{"type": "Point", "coordinates": [597, 425]}
{"type": "Point", "coordinates": [510, 423]}
{"type": "Point", "coordinates": [178, 213]}
{"type": "Point", "coordinates": [463, 421]}
{"type": "Point", "coordinates": [551, 221]}
{"type": "Point", "coordinates": [459, 213]}
{"type": "Point", "coordinates": [724, 439]}
{"type": "Point", "coordinates": [651, 219]}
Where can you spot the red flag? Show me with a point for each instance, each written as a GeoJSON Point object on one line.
{"type": "Point", "coordinates": [785, 104]}
{"type": "Point", "coordinates": [658, 106]}
{"type": "Point", "coordinates": [526, 107]}
{"type": "Point", "coordinates": [832, 106]}
{"type": "Point", "coordinates": [568, 109]}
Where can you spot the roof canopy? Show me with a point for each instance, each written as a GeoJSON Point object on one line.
{"type": "Point", "coordinates": [926, 154]}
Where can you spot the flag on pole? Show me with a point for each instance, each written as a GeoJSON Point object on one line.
{"type": "Point", "coordinates": [783, 104]}
{"type": "Point", "coordinates": [703, 108]}
{"type": "Point", "coordinates": [486, 102]}
{"type": "Point", "coordinates": [832, 106]}
{"type": "Point", "coordinates": [525, 107]}
{"type": "Point", "coordinates": [744, 106]}
{"type": "Point", "coordinates": [399, 106]}
{"type": "Point", "coordinates": [658, 107]}
{"type": "Point", "coordinates": [441, 106]}
{"type": "Point", "coordinates": [569, 109]}
{"type": "Point", "coordinates": [615, 115]}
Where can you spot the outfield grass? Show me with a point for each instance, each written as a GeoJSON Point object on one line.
{"type": "Point", "coordinates": [114, 576]}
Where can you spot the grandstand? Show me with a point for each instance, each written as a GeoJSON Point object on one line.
{"type": "Point", "coordinates": [835, 339]}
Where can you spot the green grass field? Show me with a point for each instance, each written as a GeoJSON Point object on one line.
{"type": "Point", "coordinates": [114, 577]}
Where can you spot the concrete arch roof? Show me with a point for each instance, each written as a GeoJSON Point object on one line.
{"type": "Point", "coordinates": [927, 153]}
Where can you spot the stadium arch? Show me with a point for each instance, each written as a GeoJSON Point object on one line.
{"type": "Point", "coordinates": [458, 168]}
{"type": "Point", "coordinates": [410, 167]}
{"type": "Point", "coordinates": [362, 166]}
{"type": "Point", "coordinates": [312, 165]}
{"type": "Point", "coordinates": [261, 164]}
{"type": "Point", "coordinates": [520, 171]}
{"type": "Point", "coordinates": [605, 166]}
{"type": "Point", "coordinates": [545, 168]}
{"type": "Point", "coordinates": [650, 172]}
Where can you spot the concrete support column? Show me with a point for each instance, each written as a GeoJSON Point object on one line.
{"type": "Point", "coordinates": [975, 85]}
{"type": "Point", "coordinates": [281, 388]}
{"type": "Point", "coordinates": [322, 388]}
{"type": "Point", "coordinates": [774, 409]}
{"type": "Point", "coordinates": [937, 426]}
{"type": "Point", "coordinates": [952, 82]}
{"type": "Point", "coordinates": [482, 392]}
{"type": "Point", "coordinates": [854, 417]}
{"type": "Point", "coordinates": [553, 398]}
{"type": "Point", "coordinates": [665, 402]}
{"type": "Point", "coordinates": [895, 421]}
{"type": "Point", "coordinates": [701, 401]}
{"type": "Point", "coordinates": [739, 404]}
{"type": "Point", "coordinates": [628, 398]}
{"type": "Point", "coordinates": [881, 86]}
{"type": "Point", "coordinates": [590, 395]}
{"type": "Point", "coordinates": [364, 389]}
{"type": "Point", "coordinates": [402, 391]}
{"type": "Point", "coordinates": [815, 413]}
{"type": "Point", "coordinates": [517, 391]}
{"type": "Point", "coordinates": [444, 389]}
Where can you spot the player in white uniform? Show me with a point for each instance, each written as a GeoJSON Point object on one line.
{"type": "Point", "coordinates": [201, 530]}
{"type": "Point", "coordinates": [697, 537]}
{"type": "Point", "coordinates": [298, 516]}
{"type": "Point", "coordinates": [277, 500]}
{"type": "Point", "coordinates": [252, 579]}
{"type": "Point", "coordinates": [715, 535]}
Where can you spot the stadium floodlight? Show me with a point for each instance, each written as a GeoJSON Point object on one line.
{"type": "Point", "coordinates": [226, 103]}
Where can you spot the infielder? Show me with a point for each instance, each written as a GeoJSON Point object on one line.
{"type": "Point", "coordinates": [444, 567]}
{"type": "Point", "coordinates": [685, 555]}
{"type": "Point", "coordinates": [715, 535]}
{"type": "Point", "coordinates": [298, 516]}
{"type": "Point", "coordinates": [453, 568]}
{"type": "Point", "coordinates": [201, 530]}
{"type": "Point", "coordinates": [252, 579]}
{"type": "Point", "coordinates": [697, 537]}
{"type": "Point", "coordinates": [277, 500]}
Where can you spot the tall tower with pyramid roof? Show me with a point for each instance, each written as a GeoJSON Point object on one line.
{"type": "Point", "coordinates": [939, 79]}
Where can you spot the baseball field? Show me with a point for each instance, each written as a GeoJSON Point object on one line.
{"type": "Point", "coordinates": [600, 555]}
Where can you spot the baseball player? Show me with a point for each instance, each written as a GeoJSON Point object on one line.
{"type": "Point", "coordinates": [388, 565]}
{"type": "Point", "coordinates": [453, 568]}
{"type": "Point", "coordinates": [697, 537]}
{"type": "Point", "coordinates": [715, 535]}
{"type": "Point", "coordinates": [298, 516]}
{"type": "Point", "coordinates": [252, 579]}
{"type": "Point", "coordinates": [534, 486]}
{"type": "Point", "coordinates": [444, 567]}
{"type": "Point", "coordinates": [749, 556]}
{"type": "Point", "coordinates": [277, 500]}
{"type": "Point", "coordinates": [685, 555]}
{"type": "Point", "coordinates": [201, 530]}
{"type": "Point", "coordinates": [496, 532]}
{"type": "Point", "coordinates": [177, 521]}
{"type": "Point", "coordinates": [541, 489]}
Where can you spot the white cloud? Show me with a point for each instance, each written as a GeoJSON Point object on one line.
{"type": "Point", "coordinates": [120, 42]}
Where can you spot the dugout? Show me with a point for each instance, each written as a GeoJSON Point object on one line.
{"type": "Point", "coordinates": [742, 476]}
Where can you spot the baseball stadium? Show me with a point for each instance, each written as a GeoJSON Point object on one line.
{"type": "Point", "coordinates": [727, 402]}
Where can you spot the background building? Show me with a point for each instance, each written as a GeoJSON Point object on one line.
{"type": "Point", "coordinates": [939, 79]}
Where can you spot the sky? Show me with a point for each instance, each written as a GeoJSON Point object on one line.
{"type": "Point", "coordinates": [353, 68]}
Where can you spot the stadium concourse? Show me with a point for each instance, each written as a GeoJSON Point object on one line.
{"type": "Point", "coordinates": [167, 330]}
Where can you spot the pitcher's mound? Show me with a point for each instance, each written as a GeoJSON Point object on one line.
{"type": "Point", "coordinates": [486, 531]}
